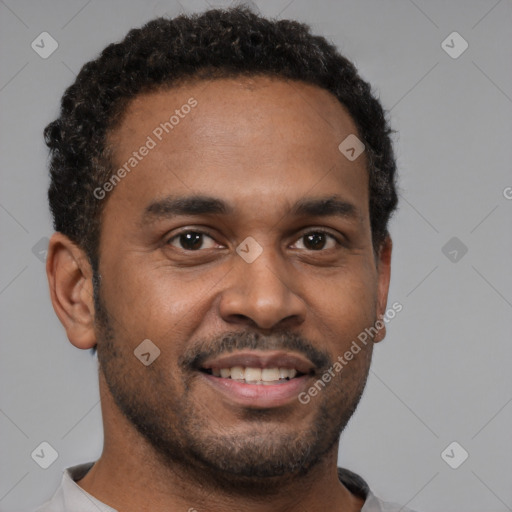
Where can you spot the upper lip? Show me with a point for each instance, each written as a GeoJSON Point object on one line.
{"type": "Point", "coordinates": [261, 359]}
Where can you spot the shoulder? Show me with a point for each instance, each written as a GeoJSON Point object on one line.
{"type": "Point", "coordinates": [358, 486]}
{"type": "Point", "coordinates": [65, 493]}
{"type": "Point", "coordinates": [374, 504]}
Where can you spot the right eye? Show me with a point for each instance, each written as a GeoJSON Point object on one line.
{"type": "Point", "coordinates": [191, 240]}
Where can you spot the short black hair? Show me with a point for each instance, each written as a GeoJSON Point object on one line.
{"type": "Point", "coordinates": [218, 43]}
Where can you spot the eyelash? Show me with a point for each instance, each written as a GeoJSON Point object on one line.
{"type": "Point", "coordinates": [200, 232]}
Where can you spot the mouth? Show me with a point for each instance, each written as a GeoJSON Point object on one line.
{"type": "Point", "coordinates": [258, 379]}
{"type": "Point", "coordinates": [254, 375]}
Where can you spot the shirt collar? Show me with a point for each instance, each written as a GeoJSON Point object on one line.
{"type": "Point", "coordinates": [75, 495]}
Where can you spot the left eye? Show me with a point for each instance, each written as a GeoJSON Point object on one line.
{"type": "Point", "coordinates": [317, 240]}
{"type": "Point", "coordinates": [191, 240]}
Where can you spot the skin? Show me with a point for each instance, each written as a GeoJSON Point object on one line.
{"type": "Point", "coordinates": [259, 144]}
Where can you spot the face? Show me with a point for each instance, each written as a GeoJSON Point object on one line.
{"type": "Point", "coordinates": [240, 245]}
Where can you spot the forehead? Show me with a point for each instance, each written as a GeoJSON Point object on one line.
{"type": "Point", "coordinates": [236, 138]}
{"type": "Point", "coordinates": [236, 106]}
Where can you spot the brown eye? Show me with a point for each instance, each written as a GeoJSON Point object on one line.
{"type": "Point", "coordinates": [317, 241]}
{"type": "Point", "coordinates": [190, 240]}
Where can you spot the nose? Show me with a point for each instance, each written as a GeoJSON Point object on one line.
{"type": "Point", "coordinates": [262, 295]}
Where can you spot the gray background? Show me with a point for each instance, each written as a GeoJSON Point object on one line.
{"type": "Point", "coordinates": [442, 374]}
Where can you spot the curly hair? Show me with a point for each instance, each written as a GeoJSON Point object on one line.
{"type": "Point", "coordinates": [218, 43]}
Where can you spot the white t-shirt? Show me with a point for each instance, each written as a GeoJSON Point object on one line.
{"type": "Point", "coordinates": [70, 497]}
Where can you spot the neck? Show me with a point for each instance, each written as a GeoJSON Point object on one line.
{"type": "Point", "coordinates": [130, 476]}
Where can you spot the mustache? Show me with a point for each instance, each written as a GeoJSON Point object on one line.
{"type": "Point", "coordinates": [195, 356]}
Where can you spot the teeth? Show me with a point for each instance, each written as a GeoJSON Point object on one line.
{"type": "Point", "coordinates": [255, 375]}
{"type": "Point", "coordinates": [252, 374]}
{"type": "Point", "coordinates": [238, 372]}
{"type": "Point", "coordinates": [268, 374]}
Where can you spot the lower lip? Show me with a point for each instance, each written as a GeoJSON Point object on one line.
{"type": "Point", "coordinates": [258, 395]}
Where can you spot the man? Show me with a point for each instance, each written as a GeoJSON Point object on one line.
{"type": "Point", "coordinates": [221, 186]}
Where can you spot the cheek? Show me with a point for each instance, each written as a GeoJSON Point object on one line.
{"type": "Point", "coordinates": [347, 303]}
{"type": "Point", "coordinates": [155, 302]}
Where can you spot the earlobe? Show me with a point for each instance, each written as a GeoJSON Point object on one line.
{"type": "Point", "coordinates": [70, 280]}
{"type": "Point", "coordinates": [384, 276]}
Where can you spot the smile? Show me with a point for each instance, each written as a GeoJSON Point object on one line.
{"type": "Point", "coordinates": [262, 376]}
{"type": "Point", "coordinates": [258, 379]}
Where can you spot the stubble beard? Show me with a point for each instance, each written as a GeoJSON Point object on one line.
{"type": "Point", "coordinates": [257, 462]}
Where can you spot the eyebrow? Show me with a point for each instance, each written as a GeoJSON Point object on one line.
{"type": "Point", "coordinates": [203, 205]}
{"type": "Point", "coordinates": [324, 207]}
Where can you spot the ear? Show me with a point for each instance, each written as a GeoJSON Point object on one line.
{"type": "Point", "coordinates": [70, 280]}
{"type": "Point", "coordinates": [384, 276]}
